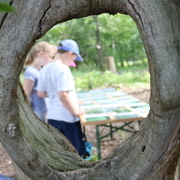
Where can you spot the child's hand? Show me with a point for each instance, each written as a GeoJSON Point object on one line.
{"type": "Point", "coordinates": [80, 101]}
{"type": "Point", "coordinates": [81, 111]}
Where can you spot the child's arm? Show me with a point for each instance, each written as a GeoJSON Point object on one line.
{"type": "Point", "coordinates": [42, 94]}
{"type": "Point", "coordinates": [28, 87]}
{"type": "Point", "coordinates": [67, 102]}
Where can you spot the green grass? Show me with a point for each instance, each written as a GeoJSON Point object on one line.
{"type": "Point", "coordinates": [128, 77]}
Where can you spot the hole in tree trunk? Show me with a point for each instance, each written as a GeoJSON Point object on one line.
{"type": "Point", "coordinates": [143, 148]}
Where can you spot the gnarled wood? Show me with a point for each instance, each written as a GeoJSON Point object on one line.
{"type": "Point", "coordinates": [43, 153]}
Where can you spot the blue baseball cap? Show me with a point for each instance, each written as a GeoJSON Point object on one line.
{"type": "Point", "coordinates": [70, 45]}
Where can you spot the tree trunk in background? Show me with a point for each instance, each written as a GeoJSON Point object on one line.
{"type": "Point", "coordinates": [99, 46]}
{"type": "Point", "coordinates": [110, 64]}
{"type": "Point", "coordinates": [43, 153]}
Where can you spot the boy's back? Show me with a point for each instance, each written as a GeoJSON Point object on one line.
{"type": "Point", "coordinates": [55, 77]}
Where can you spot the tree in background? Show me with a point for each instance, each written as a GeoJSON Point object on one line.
{"type": "Point", "coordinates": [100, 59]}
{"type": "Point", "coordinates": [43, 153]}
{"type": "Point", "coordinates": [118, 35]}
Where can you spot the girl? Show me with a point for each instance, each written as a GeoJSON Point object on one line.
{"type": "Point", "coordinates": [40, 54]}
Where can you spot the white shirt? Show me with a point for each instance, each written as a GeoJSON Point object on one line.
{"type": "Point", "coordinates": [56, 77]}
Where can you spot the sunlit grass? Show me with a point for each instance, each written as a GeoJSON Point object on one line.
{"type": "Point", "coordinates": [96, 79]}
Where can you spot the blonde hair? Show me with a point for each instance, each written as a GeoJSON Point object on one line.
{"type": "Point", "coordinates": [38, 47]}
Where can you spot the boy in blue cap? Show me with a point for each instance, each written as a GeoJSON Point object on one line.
{"type": "Point", "coordinates": [56, 82]}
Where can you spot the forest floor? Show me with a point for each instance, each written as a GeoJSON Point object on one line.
{"type": "Point", "coordinates": [6, 167]}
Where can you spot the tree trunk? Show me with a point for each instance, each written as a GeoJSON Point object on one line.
{"type": "Point", "coordinates": [41, 151]}
{"type": "Point", "coordinates": [99, 45]}
{"type": "Point", "coordinates": [110, 64]}
{"type": "Point", "coordinates": [19, 174]}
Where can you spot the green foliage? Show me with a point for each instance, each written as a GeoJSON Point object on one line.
{"type": "Point", "coordinates": [119, 38]}
{"type": "Point", "coordinates": [21, 77]}
{"type": "Point", "coordinates": [5, 6]}
{"type": "Point", "coordinates": [87, 80]}
{"type": "Point", "coordinates": [93, 159]}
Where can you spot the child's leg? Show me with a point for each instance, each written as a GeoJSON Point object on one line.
{"type": "Point", "coordinates": [74, 133]}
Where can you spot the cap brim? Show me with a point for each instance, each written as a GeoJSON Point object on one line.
{"type": "Point", "coordinates": [79, 58]}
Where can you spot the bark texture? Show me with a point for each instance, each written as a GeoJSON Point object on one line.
{"type": "Point", "coordinates": [44, 154]}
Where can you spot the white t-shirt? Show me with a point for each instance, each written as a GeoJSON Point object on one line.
{"type": "Point", "coordinates": [55, 77]}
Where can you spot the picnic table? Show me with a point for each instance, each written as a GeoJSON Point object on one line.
{"type": "Point", "coordinates": [103, 107]}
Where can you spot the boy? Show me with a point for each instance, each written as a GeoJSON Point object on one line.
{"type": "Point", "coordinates": [56, 82]}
